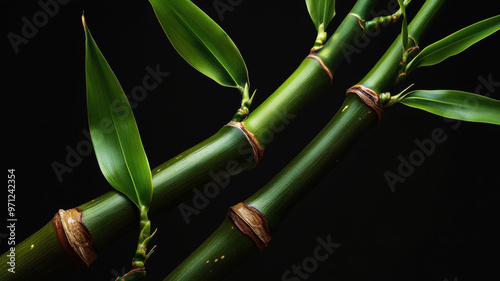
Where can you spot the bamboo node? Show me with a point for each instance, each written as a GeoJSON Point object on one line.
{"type": "Point", "coordinates": [74, 236]}
{"type": "Point", "coordinates": [325, 68]}
{"type": "Point", "coordinates": [361, 22]}
{"type": "Point", "coordinates": [258, 151]}
{"type": "Point", "coordinates": [252, 223]}
{"type": "Point", "coordinates": [369, 97]}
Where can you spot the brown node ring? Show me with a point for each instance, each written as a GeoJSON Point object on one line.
{"type": "Point", "coordinates": [361, 22]}
{"type": "Point", "coordinates": [252, 223]}
{"type": "Point", "coordinates": [258, 151]}
{"type": "Point", "coordinates": [369, 97]}
{"type": "Point", "coordinates": [325, 68]}
{"type": "Point", "coordinates": [75, 237]}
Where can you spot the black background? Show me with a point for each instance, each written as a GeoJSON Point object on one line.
{"type": "Point", "coordinates": [439, 224]}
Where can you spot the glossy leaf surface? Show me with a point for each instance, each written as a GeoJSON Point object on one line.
{"type": "Point", "coordinates": [455, 43]}
{"type": "Point", "coordinates": [455, 104]}
{"type": "Point", "coordinates": [201, 42]}
{"type": "Point", "coordinates": [113, 129]}
{"type": "Point", "coordinates": [321, 11]}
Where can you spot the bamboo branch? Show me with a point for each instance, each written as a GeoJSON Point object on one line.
{"type": "Point", "coordinates": [112, 215]}
{"type": "Point", "coordinates": [275, 200]}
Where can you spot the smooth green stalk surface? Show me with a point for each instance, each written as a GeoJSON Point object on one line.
{"type": "Point", "coordinates": [41, 255]}
{"type": "Point", "coordinates": [309, 80]}
{"type": "Point", "coordinates": [314, 162]}
{"type": "Point", "coordinates": [279, 195]}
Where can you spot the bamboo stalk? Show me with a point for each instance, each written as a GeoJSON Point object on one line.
{"type": "Point", "coordinates": [279, 195]}
{"type": "Point", "coordinates": [43, 248]}
{"type": "Point", "coordinates": [111, 215]}
{"type": "Point", "coordinates": [306, 170]}
{"type": "Point", "coordinates": [331, 55]}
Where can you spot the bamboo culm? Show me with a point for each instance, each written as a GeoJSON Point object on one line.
{"type": "Point", "coordinates": [112, 215]}
{"type": "Point", "coordinates": [305, 171]}
{"type": "Point", "coordinates": [274, 200]}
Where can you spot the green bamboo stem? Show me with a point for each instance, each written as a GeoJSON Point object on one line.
{"type": "Point", "coordinates": [276, 199]}
{"type": "Point", "coordinates": [112, 215]}
{"type": "Point", "coordinates": [279, 195]}
{"type": "Point", "coordinates": [43, 256]}
{"type": "Point", "coordinates": [312, 80]}
{"type": "Point", "coordinates": [283, 192]}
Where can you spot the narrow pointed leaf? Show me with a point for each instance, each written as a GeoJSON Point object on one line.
{"type": "Point", "coordinates": [201, 42]}
{"type": "Point", "coordinates": [321, 11]}
{"type": "Point", "coordinates": [113, 129]}
{"type": "Point", "coordinates": [455, 43]}
{"type": "Point", "coordinates": [455, 104]}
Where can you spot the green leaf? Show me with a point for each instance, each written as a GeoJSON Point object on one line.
{"type": "Point", "coordinates": [201, 42]}
{"type": "Point", "coordinates": [114, 133]}
{"type": "Point", "coordinates": [321, 12]}
{"type": "Point", "coordinates": [455, 43]}
{"type": "Point", "coordinates": [455, 104]}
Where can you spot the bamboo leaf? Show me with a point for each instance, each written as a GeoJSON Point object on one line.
{"type": "Point", "coordinates": [113, 129]}
{"type": "Point", "coordinates": [455, 43]}
{"type": "Point", "coordinates": [455, 104]}
{"type": "Point", "coordinates": [321, 12]}
{"type": "Point", "coordinates": [201, 42]}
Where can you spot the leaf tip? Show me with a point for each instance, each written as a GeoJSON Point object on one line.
{"type": "Point", "coordinates": [83, 20]}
